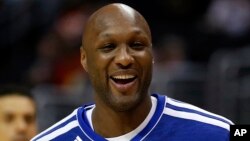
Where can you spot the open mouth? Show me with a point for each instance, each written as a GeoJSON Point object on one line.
{"type": "Point", "coordinates": [123, 79]}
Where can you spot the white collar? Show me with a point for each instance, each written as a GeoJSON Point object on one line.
{"type": "Point", "coordinates": [132, 133]}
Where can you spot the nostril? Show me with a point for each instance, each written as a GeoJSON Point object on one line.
{"type": "Point", "coordinates": [124, 62]}
{"type": "Point", "coordinates": [122, 66]}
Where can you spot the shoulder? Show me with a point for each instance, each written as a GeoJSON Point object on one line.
{"type": "Point", "coordinates": [59, 128]}
{"type": "Point", "coordinates": [185, 111]}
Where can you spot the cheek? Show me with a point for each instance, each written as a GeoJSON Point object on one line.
{"type": "Point", "coordinates": [145, 59]}
{"type": "Point", "coordinates": [5, 131]}
{"type": "Point", "coordinates": [98, 62]}
{"type": "Point", "coordinates": [4, 123]}
{"type": "Point", "coordinates": [32, 130]}
{"type": "Point", "coordinates": [98, 68]}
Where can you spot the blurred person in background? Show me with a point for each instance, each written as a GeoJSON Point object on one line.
{"type": "Point", "coordinates": [230, 17]}
{"type": "Point", "coordinates": [170, 62]}
{"type": "Point", "coordinates": [57, 52]}
{"type": "Point", "coordinates": [117, 54]}
{"type": "Point", "coordinates": [17, 114]}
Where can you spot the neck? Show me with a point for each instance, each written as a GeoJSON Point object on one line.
{"type": "Point", "coordinates": [110, 123]}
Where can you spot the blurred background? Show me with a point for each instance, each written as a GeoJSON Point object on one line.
{"type": "Point", "coordinates": [201, 50]}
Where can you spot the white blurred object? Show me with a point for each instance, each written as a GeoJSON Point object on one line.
{"type": "Point", "coordinates": [229, 16]}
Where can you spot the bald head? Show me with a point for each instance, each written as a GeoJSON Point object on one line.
{"type": "Point", "coordinates": [112, 15]}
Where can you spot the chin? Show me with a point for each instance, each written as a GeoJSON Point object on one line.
{"type": "Point", "coordinates": [125, 102]}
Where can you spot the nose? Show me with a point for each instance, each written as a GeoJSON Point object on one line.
{"type": "Point", "coordinates": [21, 125]}
{"type": "Point", "coordinates": [123, 58]}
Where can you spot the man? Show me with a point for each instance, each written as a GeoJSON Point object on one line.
{"type": "Point", "coordinates": [17, 114]}
{"type": "Point", "coordinates": [117, 54]}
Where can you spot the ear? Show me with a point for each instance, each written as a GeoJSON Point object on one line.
{"type": "Point", "coordinates": [83, 58]}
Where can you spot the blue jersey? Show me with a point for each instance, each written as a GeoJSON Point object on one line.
{"type": "Point", "coordinates": [171, 120]}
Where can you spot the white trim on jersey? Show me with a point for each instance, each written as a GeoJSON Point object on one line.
{"type": "Point", "coordinates": [89, 116]}
{"type": "Point", "coordinates": [78, 139]}
{"type": "Point", "coordinates": [196, 117]}
{"type": "Point", "coordinates": [156, 121]}
{"type": "Point", "coordinates": [134, 132]}
{"type": "Point", "coordinates": [59, 131]}
{"type": "Point", "coordinates": [81, 126]}
{"type": "Point", "coordinates": [192, 107]}
{"type": "Point", "coordinates": [58, 123]}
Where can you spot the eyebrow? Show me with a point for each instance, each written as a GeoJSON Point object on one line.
{"type": "Point", "coordinates": [135, 31]}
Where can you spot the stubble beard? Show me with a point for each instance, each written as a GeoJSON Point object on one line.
{"type": "Point", "coordinates": [123, 103]}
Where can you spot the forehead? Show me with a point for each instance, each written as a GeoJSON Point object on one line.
{"type": "Point", "coordinates": [16, 104]}
{"type": "Point", "coordinates": [117, 16]}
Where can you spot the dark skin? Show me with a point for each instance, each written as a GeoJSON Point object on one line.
{"type": "Point", "coordinates": [117, 54]}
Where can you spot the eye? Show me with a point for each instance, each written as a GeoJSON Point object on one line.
{"type": "Point", "coordinates": [108, 47]}
{"type": "Point", "coordinates": [9, 118]}
{"type": "Point", "coordinates": [29, 118]}
{"type": "Point", "coordinates": [137, 45]}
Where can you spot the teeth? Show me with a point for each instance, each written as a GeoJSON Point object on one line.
{"type": "Point", "coordinates": [123, 76]}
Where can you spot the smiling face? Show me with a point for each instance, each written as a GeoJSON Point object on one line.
{"type": "Point", "coordinates": [117, 54]}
